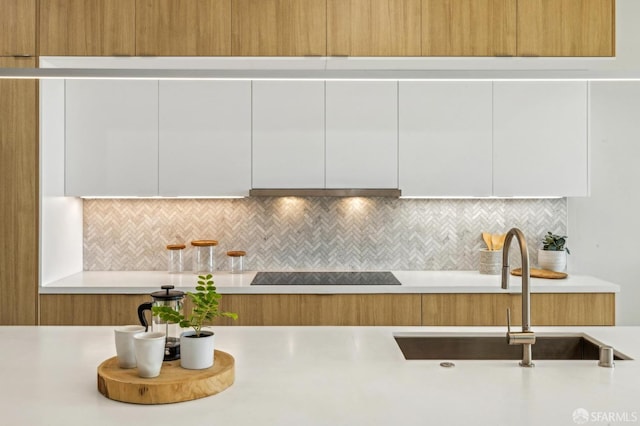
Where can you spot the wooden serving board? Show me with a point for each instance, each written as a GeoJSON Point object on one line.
{"type": "Point", "coordinates": [541, 273]}
{"type": "Point", "coordinates": [174, 384]}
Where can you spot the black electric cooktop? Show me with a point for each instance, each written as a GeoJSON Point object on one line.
{"type": "Point", "coordinates": [325, 278]}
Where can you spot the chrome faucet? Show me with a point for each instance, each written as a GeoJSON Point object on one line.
{"type": "Point", "coordinates": [526, 338]}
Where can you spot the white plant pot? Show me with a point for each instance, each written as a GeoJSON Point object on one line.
{"type": "Point", "coordinates": [196, 353]}
{"type": "Point", "coordinates": [552, 260]}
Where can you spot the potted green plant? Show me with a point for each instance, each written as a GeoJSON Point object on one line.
{"type": "Point", "coordinates": [553, 254]}
{"type": "Point", "coordinates": [197, 345]}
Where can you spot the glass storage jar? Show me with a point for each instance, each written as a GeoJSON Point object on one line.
{"type": "Point", "coordinates": [175, 258]}
{"type": "Point", "coordinates": [236, 261]}
{"type": "Point", "coordinates": [204, 261]}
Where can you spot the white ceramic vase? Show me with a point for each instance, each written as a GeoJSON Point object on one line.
{"type": "Point", "coordinates": [196, 353]}
{"type": "Point", "coordinates": [552, 260]}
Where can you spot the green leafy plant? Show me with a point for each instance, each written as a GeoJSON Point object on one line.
{"type": "Point", "coordinates": [205, 307]}
{"type": "Point", "coordinates": [554, 242]}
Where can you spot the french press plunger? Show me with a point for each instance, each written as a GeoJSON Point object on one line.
{"type": "Point", "coordinates": [173, 299]}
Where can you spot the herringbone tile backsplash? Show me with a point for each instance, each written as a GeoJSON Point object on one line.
{"type": "Point", "coordinates": [312, 233]}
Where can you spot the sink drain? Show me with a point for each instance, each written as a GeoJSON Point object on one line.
{"type": "Point", "coordinates": [447, 364]}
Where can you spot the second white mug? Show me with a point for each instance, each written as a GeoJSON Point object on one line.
{"type": "Point", "coordinates": [149, 349]}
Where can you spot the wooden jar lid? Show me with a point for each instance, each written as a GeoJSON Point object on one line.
{"type": "Point", "coordinates": [175, 246]}
{"type": "Point", "coordinates": [204, 243]}
{"type": "Point", "coordinates": [236, 253]}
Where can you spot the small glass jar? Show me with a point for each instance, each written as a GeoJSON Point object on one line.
{"type": "Point", "coordinates": [175, 258]}
{"type": "Point", "coordinates": [236, 261]}
{"type": "Point", "coordinates": [204, 260]}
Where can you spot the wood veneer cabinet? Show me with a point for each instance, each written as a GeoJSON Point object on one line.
{"type": "Point", "coordinates": [17, 27]}
{"type": "Point", "coordinates": [18, 196]}
{"type": "Point", "coordinates": [469, 27]}
{"type": "Point", "coordinates": [491, 309]}
{"type": "Point", "coordinates": [566, 27]}
{"type": "Point", "coordinates": [90, 309]}
{"type": "Point", "coordinates": [566, 309]}
{"type": "Point", "coordinates": [252, 309]}
{"type": "Point", "coordinates": [321, 309]}
{"type": "Point", "coordinates": [183, 27]}
{"type": "Point", "coordinates": [87, 28]}
{"type": "Point", "coordinates": [279, 28]}
{"type": "Point", "coordinates": [373, 28]}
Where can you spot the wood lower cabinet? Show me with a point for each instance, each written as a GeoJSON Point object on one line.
{"type": "Point", "coordinates": [17, 27]}
{"type": "Point", "coordinates": [320, 309]}
{"type": "Point", "coordinates": [279, 28]}
{"type": "Point", "coordinates": [87, 28]}
{"type": "Point", "coordinates": [252, 309]}
{"type": "Point", "coordinates": [466, 309]}
{"type": "Point", "coordinates": [90, 309]}
{"type": "Point", "coordinates": [469, 27]}
{"type": "Point", "coordinates": [566, 28]}
{"type": "Point", "coordinates": [183, 27]}
{"type": "Point", "coordinates": [18, 196]}
{"type": "Point", "coordinates": [373, 28]}
{"type": "Point", "coordinates": [572, 309]}
{"type": "Point", "coordinates": [560, 309]}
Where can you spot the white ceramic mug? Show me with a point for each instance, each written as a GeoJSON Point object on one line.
{"type": "Point", "coordinates": [124, 345]}
{"type": "Point", "coordinates": [149, 349]}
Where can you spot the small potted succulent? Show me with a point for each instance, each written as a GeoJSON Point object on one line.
{"type": "Point", "coordinates": [553, 254]}
{"type": "Point", "coordinates": [197, 345]}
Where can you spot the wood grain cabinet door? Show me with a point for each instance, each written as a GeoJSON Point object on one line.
{"type": "Point", "coordinates": [279, 28]}
{"type": "Point", "coordinates": [18, 27]}
{"type": "Point", "coordinates": [373, 28]}
{"type": "Point", "coordinates": [18, 196]}
{"type": "Point", "coordinates": [566, 28]}
{"type": "Point", "coordinates": [469, 27]}
{"type": "Point", "coordinates": [87, 28]}
{"type": "Point", "coordinates": [183, 27]}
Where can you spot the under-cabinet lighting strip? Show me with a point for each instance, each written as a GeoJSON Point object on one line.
{"type": "Point", "coordinates": [92, 197]}
{"type": "Point", "coordinates": [241, 197]}
{"type": "Point", "coordinates": [409, 197]}
{"type": "Point", "coordinates": [317, 75]}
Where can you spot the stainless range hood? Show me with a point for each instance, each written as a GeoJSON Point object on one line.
{"type": "Point", "coordinates": [338, 192]}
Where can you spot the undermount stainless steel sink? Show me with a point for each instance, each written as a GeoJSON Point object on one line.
{"type": "Point", "coordinates": [477, 346]}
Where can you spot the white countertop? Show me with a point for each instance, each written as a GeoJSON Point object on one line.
{"type": "Point", "coordinates": [144, 282]}
{"type": "Point", "coordinates": [321, 376]}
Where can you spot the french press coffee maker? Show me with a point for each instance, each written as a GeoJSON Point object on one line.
{"type": "Point", "coordinates": [173, 299]}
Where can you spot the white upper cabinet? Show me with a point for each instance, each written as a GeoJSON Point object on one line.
{"type": "Point", "coordinates": [445, 138]}
{"type": "Point", "coordinates": [361, 134]}
{"type": "Point", "coordinates": [111, 138]}
{"type": "Point", "coordinates": [288, 134]}
{"type": "Point", "coordinates": [205, 138]}
{"type": "Point", "coordinates": [540, 143]}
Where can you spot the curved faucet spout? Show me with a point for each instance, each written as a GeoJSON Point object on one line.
{"type": "Point", "coordinates": [526, 338]}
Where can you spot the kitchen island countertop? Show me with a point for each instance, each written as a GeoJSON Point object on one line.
{"type": "Point", "coordinates": [323, 376]}
{"type": "Point", "coordinates": [144, 282]}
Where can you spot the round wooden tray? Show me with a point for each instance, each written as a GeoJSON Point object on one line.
{"type": "Point", "coordinates": [174, 384]}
